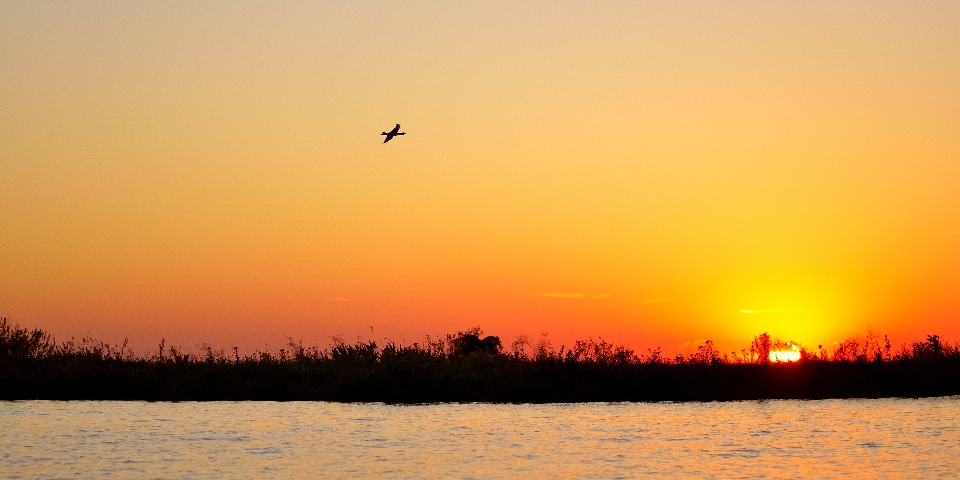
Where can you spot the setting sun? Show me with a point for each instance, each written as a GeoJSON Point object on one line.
{"type": "Point", "coordinates": [785, 354]}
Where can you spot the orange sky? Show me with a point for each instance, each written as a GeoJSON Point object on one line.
{"type": "Point", "coordinates": [655, 173]}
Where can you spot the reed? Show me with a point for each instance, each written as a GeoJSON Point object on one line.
{"type": "Point", "coordinates": [467, 367]}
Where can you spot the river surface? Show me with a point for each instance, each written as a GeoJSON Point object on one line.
{"type": "Point", "coordinates": [918, 438]}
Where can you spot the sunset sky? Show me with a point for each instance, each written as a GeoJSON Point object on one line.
{"type": "Point", "coordinates": [653, 173]}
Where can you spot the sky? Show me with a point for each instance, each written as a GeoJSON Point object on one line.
{"type": "Point", "coordinates": [654, 173]}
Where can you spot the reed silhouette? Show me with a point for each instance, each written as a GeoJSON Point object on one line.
{"type": "Point", "coordinates": [466, 367]}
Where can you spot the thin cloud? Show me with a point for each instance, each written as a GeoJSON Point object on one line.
{"type": "Point", "coordinates": [691, 345]}
{"type": "Point", "coordinates": [569, 295]}
{"type": "Point", "coordinates": [764, 311]}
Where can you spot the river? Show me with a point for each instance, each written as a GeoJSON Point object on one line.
{"type": "Point", "coordinates": [827, 438]}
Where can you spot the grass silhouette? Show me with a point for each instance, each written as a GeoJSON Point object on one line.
{"type": "Point", "coordinates": [465, 368]}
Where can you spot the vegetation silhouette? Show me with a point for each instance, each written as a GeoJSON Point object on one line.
{"type": "Point", "coordinates": [467, 368]}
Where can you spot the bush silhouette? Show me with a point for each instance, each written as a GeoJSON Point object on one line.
{"type": "Point", "coordinates": [468, 367]}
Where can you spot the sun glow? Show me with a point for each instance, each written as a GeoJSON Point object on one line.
{"type": "Point", "coordinates": [785, 355]}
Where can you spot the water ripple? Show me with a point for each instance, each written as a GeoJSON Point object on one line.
{"type": "Point", "coordinates": [829, 438]}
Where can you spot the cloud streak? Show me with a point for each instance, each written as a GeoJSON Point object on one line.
{"type": "Point", "coordinates": [569, 295]}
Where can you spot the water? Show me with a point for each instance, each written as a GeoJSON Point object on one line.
{"type": "Point", "coordinates": [856, 438]}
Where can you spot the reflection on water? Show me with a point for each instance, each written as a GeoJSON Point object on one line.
{"type": "Point", "coordinates": [861, 438]}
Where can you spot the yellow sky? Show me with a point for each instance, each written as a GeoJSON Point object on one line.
{"type": "Point", "coordinates": [655, 173]}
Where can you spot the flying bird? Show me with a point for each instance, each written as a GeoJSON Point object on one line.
{"type": "Point", "coordinates": [392, 133]}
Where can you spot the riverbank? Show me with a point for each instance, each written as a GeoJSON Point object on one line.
{"type": "Point", "coordinates": [460, 368]}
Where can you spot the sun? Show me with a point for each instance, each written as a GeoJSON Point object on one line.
{"type": "Point", "coordinates": [786, 353]}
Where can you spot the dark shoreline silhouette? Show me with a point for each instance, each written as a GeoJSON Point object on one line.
{"type": "Point", "coordinates": [466, 368]}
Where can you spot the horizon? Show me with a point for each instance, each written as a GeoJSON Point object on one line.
{"type": "Point", "coordinates": [781, 350]}
{"type": "Point", "coordinates": [656, 175]}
